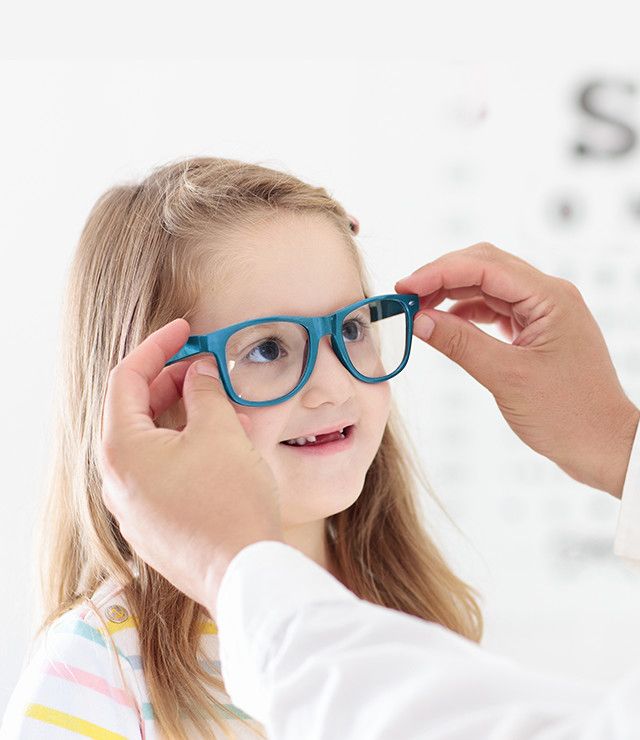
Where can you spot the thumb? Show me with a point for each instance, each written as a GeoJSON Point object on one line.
{"type": "Point", "coordinates": [481, 355]}
{"type": "Point", "coordinates": [206, 403]}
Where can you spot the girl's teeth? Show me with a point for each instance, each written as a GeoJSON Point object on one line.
{"type": "Point", "coordinates": [303, 440]}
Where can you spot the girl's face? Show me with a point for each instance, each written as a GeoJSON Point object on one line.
{"type": "Point", "coordinates": [299, 265]}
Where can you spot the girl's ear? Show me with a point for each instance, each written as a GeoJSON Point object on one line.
{"type": "Point", "coordinates": [354, 224]}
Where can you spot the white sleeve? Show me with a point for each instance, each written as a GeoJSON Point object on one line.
{"type": "Point", "coordinates": [307, 658]}
{"type": "Point", "coordinates": [627, 541]}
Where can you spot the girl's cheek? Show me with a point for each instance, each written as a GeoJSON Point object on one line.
{"type": "Point", "coordinates": [381, 401]}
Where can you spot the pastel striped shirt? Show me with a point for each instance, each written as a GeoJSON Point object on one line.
{"type": "Point", "coordinates": [85, 678]}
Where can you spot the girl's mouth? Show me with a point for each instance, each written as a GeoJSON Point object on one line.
{"type": "Point", "coordinates": [325, 444]}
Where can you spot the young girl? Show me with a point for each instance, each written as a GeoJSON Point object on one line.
{"type": "Point", "coordinates": [121, 652]}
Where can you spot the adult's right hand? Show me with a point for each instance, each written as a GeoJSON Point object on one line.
{"type": "Point", "coordinates": [186, 501]}
{"type": "Point", "coordinates": [554, 383]}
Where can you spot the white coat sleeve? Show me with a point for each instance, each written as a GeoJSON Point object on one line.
{"type": "Point", "coordinates": [308, 659]}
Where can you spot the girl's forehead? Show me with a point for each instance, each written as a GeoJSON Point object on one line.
{"type": "Point", "coordinates": [252, 296]}
{"type": "Point", "coordinates": [308, 283]}
{"type": "Point", "coordinates": [285, 248]}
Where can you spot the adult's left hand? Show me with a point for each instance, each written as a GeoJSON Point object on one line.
{"type": "Point", "coordinates": [186, 501]}
{"type": "Point", "coordinates": [554, 381]}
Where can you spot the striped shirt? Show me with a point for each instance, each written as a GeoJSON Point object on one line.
{"type": "Point", "coordinates": [85, 678]}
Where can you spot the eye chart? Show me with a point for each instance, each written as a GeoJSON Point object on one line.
{"type": "Point", "coordinates": [543, 163]}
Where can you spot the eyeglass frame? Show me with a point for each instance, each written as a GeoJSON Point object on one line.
{"type": "Point", "coordinates": [317, 327]}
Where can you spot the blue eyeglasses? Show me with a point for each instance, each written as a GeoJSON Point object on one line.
{"type": "Point", "coordinates": [266, 361]}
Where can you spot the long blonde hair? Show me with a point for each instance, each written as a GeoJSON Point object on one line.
{"type": "Point", "coordinates": [138, 265]}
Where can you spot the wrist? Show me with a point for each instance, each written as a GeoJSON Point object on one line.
{"type": "Point", "coordinates": [603, 464]}
{"type": "Point", "coordinates": [615, 469]}
{"type": "Point", "coordinates": [212, 580]}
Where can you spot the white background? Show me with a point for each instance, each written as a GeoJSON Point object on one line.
{"type": "Point", "coordinates": [430, 157]}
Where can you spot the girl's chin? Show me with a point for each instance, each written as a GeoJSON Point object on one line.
{"type": "Point", "coordinates": [321, 504]}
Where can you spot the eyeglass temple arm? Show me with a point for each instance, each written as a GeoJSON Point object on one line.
{"type": "Point", "coordinates": [384, 309]}
{"type": "Point", "coordinates": [194, 346]}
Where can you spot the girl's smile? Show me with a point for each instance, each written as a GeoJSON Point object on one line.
{"type": "Point", "coordinates": [342, 443]}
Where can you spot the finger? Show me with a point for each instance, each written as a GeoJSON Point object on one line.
{"type": "Point", "coordinates": [483, 356]}
{"type": "Point", "coordinates": [207, 406]}
{"type": "Point", "coordinates": [166, 389]}
{"type": "Point", "coordinates": [127, 398]}
{"type": "Point", "coordinates": [496, 272]}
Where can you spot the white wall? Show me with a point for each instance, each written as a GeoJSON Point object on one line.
{"type": "Point", "coordinates": [430, 158]}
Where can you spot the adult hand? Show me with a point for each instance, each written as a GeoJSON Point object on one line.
{"type": "Point", "coordinates": [554, 383]}
{"type": "Point", "coordinates": [186, 501]}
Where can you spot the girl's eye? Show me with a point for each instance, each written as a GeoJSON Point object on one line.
{"type": "Point", "coordinates": [267, 349]}
{"type": "Point", "coordinates": [357, 323]}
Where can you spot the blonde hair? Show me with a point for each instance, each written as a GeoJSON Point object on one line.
{"type": "Point", "coordinates": [138, 265]}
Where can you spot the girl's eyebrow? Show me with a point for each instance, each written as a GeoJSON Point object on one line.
{"type": "Point", "coordinates": [265, 315]}
{"type": "Point", "coordinates": [342, 305]}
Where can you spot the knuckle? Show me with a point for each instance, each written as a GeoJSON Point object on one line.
{"type": "Point", "coordinates": [485, 250]}
{"type": "Point", "coordinates": [456, 345]}
{"type": "Point", "coordinates": [568, 288]}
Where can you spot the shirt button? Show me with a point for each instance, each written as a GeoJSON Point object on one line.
{"type": "Point", "coordinates": [116, 613]}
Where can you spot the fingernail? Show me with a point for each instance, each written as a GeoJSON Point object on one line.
{"type": "Point", "coordinates": [424, 324]}
{"type": "Point", "coordinates": [205, 367]}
